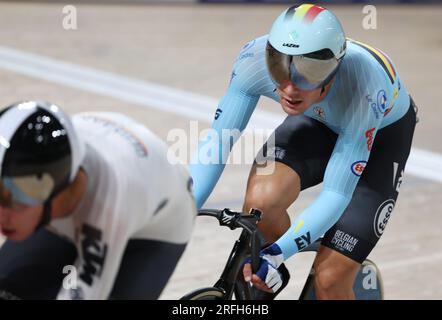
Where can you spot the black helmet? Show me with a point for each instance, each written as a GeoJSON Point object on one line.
{"type": "Point", "coordinates": [40, 152]}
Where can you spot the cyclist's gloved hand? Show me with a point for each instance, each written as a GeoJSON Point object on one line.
{"type": "Point", "coordinates": [267, 277]}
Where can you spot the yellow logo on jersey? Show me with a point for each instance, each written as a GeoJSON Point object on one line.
{"type": "Point", "coordinates": [298, 226]}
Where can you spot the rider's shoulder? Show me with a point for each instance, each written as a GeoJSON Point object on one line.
{"type": "Point", "coordinates": [355, 56]}
{"type": "Point", "coordinates": [360, 68]}
{"type": "Point", "coordinates": [255, 45]}
{"type": "Point", "coordinates": [252, 51]}
{"type": "Point", "coordinates": [249, 73]}
{"type": "Point", "coordinates": [362, 58]}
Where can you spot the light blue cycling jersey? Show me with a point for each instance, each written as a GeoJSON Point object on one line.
{"type": "Point", "coordinates": [366, 95]}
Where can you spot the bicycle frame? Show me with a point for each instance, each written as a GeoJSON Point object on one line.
{"type": "Point", "coordinates": [248, 244]}
{"type": "Point", "coordinates": [229, 280]}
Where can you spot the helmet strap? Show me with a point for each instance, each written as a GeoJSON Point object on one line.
{"type": "Point", "coordinates": [330, 77]}
{"type": "Point", "coordinates": [46, 217]}
{"type": "Point", "coordinates": [47, 207]}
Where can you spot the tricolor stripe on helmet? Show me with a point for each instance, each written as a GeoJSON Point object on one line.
{"type": "Point", "coordinates": [306, 12]}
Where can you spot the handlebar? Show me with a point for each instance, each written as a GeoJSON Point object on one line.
{"type": "Point", "coordinates": [247, 222]}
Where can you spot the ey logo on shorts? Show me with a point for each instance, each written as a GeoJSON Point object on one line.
{"type": "Point", "coordinates": [358, 167]}
{"type": "Point", "coordinates": [382, 216]}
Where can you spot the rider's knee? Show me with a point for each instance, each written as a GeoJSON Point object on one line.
{"type": "Point", "coordinates": [326, 279]}
{"type": "Point", "coordinates": [261, 197]}
{"type": "Point", "coordinates": [272, 193]}
{"type": "Point", "coordinates": [332, 282]}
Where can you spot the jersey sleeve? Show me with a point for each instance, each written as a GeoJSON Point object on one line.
{"type": "Point", "coordinates": [247, 81]}
{"type": "Point", "coordinates": [350, 155]}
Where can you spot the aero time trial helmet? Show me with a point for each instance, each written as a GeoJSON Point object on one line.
{"type": "Point", "coordinates": [306, 45]}
{"type": "Point", "coordinates": [40, 153]}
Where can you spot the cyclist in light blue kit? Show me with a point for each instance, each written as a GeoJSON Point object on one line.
{"type": "Point", "coordinates": [350, 126]}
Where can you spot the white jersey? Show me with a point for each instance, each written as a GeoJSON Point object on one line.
{"type": "Point", "coordinates": [133, 193]}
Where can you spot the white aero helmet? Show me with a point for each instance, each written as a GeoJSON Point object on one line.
{"type": "Point", "coordinates": [306, 45]}
{"type": "Point", "coordinates": [40, 154]}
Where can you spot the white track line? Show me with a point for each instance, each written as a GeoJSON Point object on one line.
{"type": "Point", "coordinates": [422, 163]}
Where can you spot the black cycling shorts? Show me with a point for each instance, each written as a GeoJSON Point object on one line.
{"type": "Point", "coordinates": [33, 269]}
{"type": "Point", "coordinates": [364, 220]}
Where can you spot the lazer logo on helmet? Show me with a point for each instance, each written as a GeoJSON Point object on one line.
{"type": "Point", "coordinates": [358, 167]}
{"type": "Point", "coordinates": [290, 45]}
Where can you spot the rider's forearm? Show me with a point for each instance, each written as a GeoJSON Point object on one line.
{"type": "Point", "coordinates": [211, 157]}
{"type": "Point", "coordinates": [204, 175]}
{"type": "Point", "coordinates": [209, 160]}
{"type": "Point", "coordinates": [311, 224]}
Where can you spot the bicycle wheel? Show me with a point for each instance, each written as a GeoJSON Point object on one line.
{"type": "Point", "coordinates": [209, 293]}
{"type": "Point", "coordinates": [368, 284]}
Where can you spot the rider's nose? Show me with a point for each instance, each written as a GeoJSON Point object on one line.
{"type": "Point", "coordinates": [289, 91]}
{"type": "Point", "coordinates": [291, 88]}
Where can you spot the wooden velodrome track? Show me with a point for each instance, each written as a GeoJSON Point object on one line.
{"type": "Point", "coordinates": [192, 48]}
